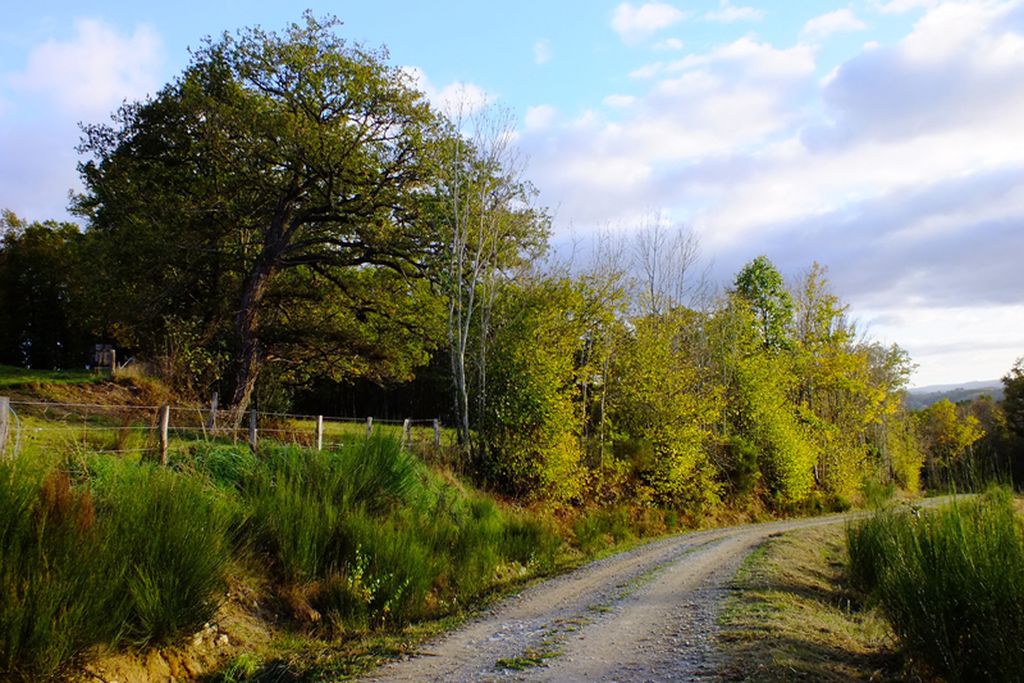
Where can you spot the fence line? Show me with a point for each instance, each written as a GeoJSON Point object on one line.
{"type": "Point", "coordinates": [124, 428]}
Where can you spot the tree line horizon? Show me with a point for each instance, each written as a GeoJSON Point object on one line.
{"type": "Point", "coordinates": [290, 216]}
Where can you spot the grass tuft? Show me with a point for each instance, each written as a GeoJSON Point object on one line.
{"type": "Point", "coordinates": [951, 582]}
{"type": "Point", "coordinates": [135, 556]}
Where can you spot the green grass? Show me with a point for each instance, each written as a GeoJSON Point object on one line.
{"type": "Point", "coordinates": [368, 536]}
{"type": "Point", "coordinates": [793, 616]}
{"type": "Point", "coordinates": [129, 555]}
{"type": "Point", "coordinates": [14, 377]}
{"type": "Point", "coordinates": [355, 545]}
{"type": "Point", "coordinates": [951, 583]}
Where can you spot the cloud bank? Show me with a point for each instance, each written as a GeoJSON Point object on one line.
{"type": "Point", "coordinates": [902, 169]}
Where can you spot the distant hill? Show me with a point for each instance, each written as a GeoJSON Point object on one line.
{"type": "Point", "coordinates": [922, 397]}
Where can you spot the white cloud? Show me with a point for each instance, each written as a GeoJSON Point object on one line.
{"type": "Point", "coordinates": [81, 78]}
{"type": "Point", "coordinates": [728, 13]}
{"type": "Point", "coordinates": [619, 101]}
{"type": "Point", "coordinates": [91, 74]}
{"type": "Point", "coordinates": [747, 59]}
{"type": "Point", "coordinates": [904, 6]}
{"type": "Point", "coordinates": [901, 170]}
{"type": "Point", "coordinates": [647, 70]}
{"type": "Point", "coordinates": [542, 52]}
{"type": "Point", "coordinates": [456, 100]}
{"type": "Point", "coordinates": [669, 44]}
{"type": "Point", "coordinates": [539, 117]}
{"type": "Point", "coordinates": [634, 23]}
{"type": "Point", "coordinates": [696, 108]}
{"type": "Point", "coordinates": [839, 21]}
{"type": "Point", "coordinates": [977, 342]}
{"type": "Point", "coordinates": [898, 170]}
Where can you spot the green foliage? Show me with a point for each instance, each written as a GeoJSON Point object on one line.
{"type": "Point", "coordinates": [902, 445]}
{"type": "Point", "coordinates": [531, 426]}
{"type": "Point", "coordinates": [761, 286]}
{"type": "Point", "coordinates": [661, 408]}
{"type": "Point", "coordinates": [787, 451]}
{"type": "Point", "coordinates": [744, 471]}
{"type": "Point", "coordinates": [1013, 398]}
{"type": "Point", "coordinates": [951, 582]}
{"type": "Point", "coordinates": [40, 294]}
{"type": "Point", "coordinates": [137, 557]}
{"type": "Point", "coordinates": [948, 433]}
{"type": "Point", "coordinates": [288, 172]}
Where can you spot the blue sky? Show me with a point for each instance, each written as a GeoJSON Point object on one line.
{"type": "Point", "coordinates": [882, 138]}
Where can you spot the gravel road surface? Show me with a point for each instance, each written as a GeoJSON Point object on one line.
{"type": "Point", "coordinates": [648, 614]}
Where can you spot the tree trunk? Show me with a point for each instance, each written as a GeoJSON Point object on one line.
{"type": "Point", "coordinates": [251, 354]}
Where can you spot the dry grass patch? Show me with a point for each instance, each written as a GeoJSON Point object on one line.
{"type": "Point", "coordinates": [794, 617]}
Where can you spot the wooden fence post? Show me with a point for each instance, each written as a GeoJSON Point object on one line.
{"type": "Point", "coordinates": [211, 423]}
{"type": "Point", "coordinates": [165, 423]}
{"type": "Point", "coordinates": [113, 362]}
{"type": "Point", "coordinates": [369, 426]}
{"type": "Point", "coordinates": [5, 423]}
{"type": "Point", "coordinates": [319, 432]}
{"type": "Point", "coordinates": [405, 431]}
{"type": "Point", "coordinates": [252, 429]}
{"type": "Point", "coordinates": [437, 433]}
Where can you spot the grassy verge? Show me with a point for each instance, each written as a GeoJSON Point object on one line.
{"type": "Point", "coordinates": [135, 559]}
{"type": "Point", "coordinates": [951, 582]}
{"type": "Point", "coordinates": [358, 554]}
{"type": "Point", "coordinates": [794, 617]}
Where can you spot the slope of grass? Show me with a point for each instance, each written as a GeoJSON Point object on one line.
{"type": "Point", "coordinates": [11, 376]}
{"type": "Point", "coordinates": [131, 555]}
{"type": "Point", "coordinates": [793, 616]}
{"type": "Point", "coordinates": [951, 582]}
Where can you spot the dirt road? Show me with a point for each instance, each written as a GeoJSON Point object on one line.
{"type": "Point", "coordinates": [648, 614]}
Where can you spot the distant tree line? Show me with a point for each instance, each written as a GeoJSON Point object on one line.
{"type": "Point", "coordinates": [289, 219]}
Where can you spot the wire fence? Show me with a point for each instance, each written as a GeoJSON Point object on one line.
{"type": "Point", "coordinates": [156, 431]}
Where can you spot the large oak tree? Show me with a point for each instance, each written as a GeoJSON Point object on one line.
{"type": "Point", "coordinates": [272, 194]}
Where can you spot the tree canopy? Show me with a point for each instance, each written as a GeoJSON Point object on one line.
{"type": "Point", "coordinates": [762, 287]}
{"type": "Point", "coordinates": [273, 194]}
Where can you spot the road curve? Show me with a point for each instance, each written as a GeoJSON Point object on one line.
{"type": "Point", "coordinates": [648, 614]}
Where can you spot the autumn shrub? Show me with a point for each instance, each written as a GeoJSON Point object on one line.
{"type": "Point", "coordinates": [52, 607]}
{"type": "Point", "coordinates": [951, 583]}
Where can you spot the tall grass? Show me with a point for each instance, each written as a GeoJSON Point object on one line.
{"type": "Point", "coordinates": [134, 555]}
{"type": "Point", "coordinates": [951, 582]}
{"type": "Point", "coordinates": [104, 551]}
{"type": "Point", "coordinates": [367, 536]}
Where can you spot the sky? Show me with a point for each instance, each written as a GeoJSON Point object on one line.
{"type": "Point", "coordinates": [883, 139]}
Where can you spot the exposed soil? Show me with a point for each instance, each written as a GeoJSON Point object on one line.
{"type": "Point", "coordinates": [649, 614]}
{"type": "Point", "coordinates": [239, 626]}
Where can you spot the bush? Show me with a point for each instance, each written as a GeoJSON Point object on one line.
{"type": "Point", "coordinates": [600, 528]}
{"type": "Point", "coordinates": [951, 582]}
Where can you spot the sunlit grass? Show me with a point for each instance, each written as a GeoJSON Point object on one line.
{"type": "Point", "coordinates": [951, 581]}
